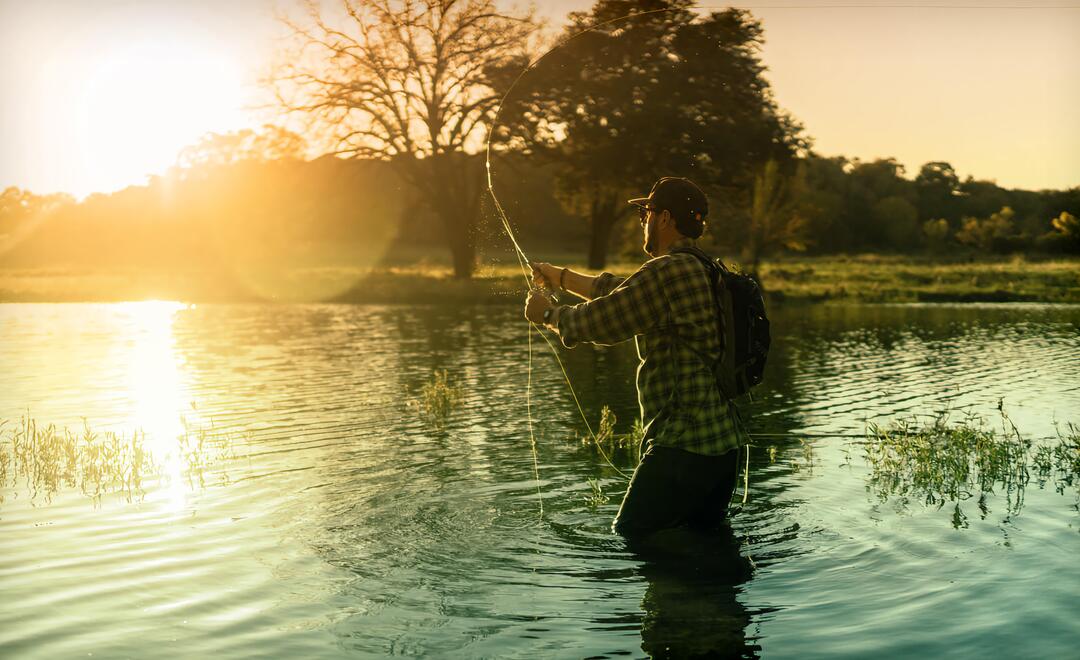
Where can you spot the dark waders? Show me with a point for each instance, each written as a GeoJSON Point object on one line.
{"type": "Point", "coordinates": [673, 487]}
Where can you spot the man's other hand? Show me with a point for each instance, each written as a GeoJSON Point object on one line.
{"type": "Point", "coordinates": [545, 275]}
{"type": "Point", "coordinates": [535, 305]}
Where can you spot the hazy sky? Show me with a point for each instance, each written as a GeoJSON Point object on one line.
{"type": "Point", "coordinates": [98, 94]}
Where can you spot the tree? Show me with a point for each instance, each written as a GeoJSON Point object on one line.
{"type": "Point", "coordinates": [661, 92]}
{"type": "Point", "coordinates": [271, 143]}
{"type": "Point", "coordinates": [404, 81]}
{"type": "Point", "coordinates": [899, 220]}
{"type": "Point", "coordinates": [775, 222]}
{"type": "Point", "coordinates": [22, 213]}
{"type": "Point", "coordinates": [938, 189]}
{"type": "Point", "coordinates": [936, 234]}
{"type": "Point", "coordinates": [1064, 234]}
{"type": "Point", "coordinates": [996, 233]}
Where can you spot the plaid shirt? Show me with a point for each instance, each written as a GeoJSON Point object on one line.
{"type": "Point", "coordinates": [667, 307]}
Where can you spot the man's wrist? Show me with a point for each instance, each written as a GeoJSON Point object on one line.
{"type": "Point", "coordinates": [551, 316]}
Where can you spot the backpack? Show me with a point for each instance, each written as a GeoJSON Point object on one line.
{"type": "Point", "coordinates": [745, 326]}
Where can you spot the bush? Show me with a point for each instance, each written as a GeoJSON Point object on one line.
{"type": "Point", "coordinates": [994, 234]}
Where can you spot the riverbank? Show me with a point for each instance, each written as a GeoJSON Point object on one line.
{"type": "Point", "coordinates": [845, 279]}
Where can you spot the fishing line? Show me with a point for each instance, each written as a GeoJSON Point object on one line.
{"type": "Point", "coordinates": [524, 262]}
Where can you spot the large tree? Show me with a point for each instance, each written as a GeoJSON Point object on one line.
{"type": "Point", "coordinates": [404, 81]}
{"type": "Point", "coordinates": [661, 92]}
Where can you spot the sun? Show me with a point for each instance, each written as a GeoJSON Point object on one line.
{"type": "Point", "coordinates": [140, 102]}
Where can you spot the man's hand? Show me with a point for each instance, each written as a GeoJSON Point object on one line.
{"type": "Point", "coordinates": [535, 305]}
{"type": "Point", "coordinates": [545, 275]}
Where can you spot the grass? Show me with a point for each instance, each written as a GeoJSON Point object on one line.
{"type": "Point", "coordinates": [596, 496]}
{"type": "Point", "coordinates": [867, 278]}
{"type": "Point", "coordinates": [46, 459]}
{"type": "Point", "coordinates": [607, 439]}
{"type": "Point", "coordinates": [438, 398]}
{"type": "Point", "coordinates": [876, 278]}
{"type": "Point", "coordinates": [952, 462]}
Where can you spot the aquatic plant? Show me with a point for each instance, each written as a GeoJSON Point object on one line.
{"type": "Point", "coordinates": [606, 437]}
{"type": "Point", "coordinates": [951, 462]}
{"type": "Point", "coordinates": [438, 398]}
{"type": "Point", "coordinates": [596, 497]}
{"type": "Point", "coordinates": [46, 459]}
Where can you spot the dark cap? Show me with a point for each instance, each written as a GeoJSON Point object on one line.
{"type": "Point", "coordinates": [681, 198]}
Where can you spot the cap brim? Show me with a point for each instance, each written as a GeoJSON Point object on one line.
{"type": "Point", "coordinates": [638, 201]}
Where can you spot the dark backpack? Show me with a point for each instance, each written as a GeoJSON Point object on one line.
{"type": "Point", "coordinates": [745, 325]}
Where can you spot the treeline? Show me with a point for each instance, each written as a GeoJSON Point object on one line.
{"type": "Point", "coordinates": [248, 208]}
{"type": "Point", "coordinates": [638, 89]}
{"type": "Point", "coordinates": [230, 209]}
{"type": "Point", "coordinates": [839, 205]}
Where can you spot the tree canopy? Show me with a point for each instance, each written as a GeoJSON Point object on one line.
{"type": "Point", "coordinates": [405, 81]}
{"type": "Point", "coordinates": [625, 100]}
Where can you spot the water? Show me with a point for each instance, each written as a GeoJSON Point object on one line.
{"type": "Point", "coordinates": [347, 524]}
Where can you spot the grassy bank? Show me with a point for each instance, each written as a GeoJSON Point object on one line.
{"type": "Point", "coordinates": [870, 278]}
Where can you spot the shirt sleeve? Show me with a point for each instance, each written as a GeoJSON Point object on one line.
{"type": "Point", "coordinates": [634, 306]}
{"type": "Point", "coordinates": [604, 284]}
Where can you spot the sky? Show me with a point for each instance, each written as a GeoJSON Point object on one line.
{"type": "Point", "coordinates": [101, 94]}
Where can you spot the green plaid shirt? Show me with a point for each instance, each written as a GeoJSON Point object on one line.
{"type": "Point", "coordinates": [667, 307]}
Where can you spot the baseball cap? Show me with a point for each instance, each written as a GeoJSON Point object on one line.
{"type": "Point", "coordinates": [681, 198]}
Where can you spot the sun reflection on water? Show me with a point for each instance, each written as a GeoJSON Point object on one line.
{"type": "Point", "coordinates": [160, 395]}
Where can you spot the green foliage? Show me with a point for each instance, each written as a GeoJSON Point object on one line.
{"type": "Point", "coordinates": [596, 497]}
{"type": "Point", "coordinates": [1065, 235]}
{"type": "Point", "coordinates": [996, 233]}
{"type": "Point", "coordinates": [438, 398]}
{"type": "Point", "coordinates": [944, 462]}
{"type": "Point", "coordinates": [606, 437]}
{"type": "Point", "coordinates": [1068, 225]}
{"type": "Point", "coordinates": [775, 221]}
{"type": "Point", "coordinates": [936, 234]}
{"type": "Point", "coordinates": [656, 93]}
{"type": "Point", "coordinates": [900, 221]}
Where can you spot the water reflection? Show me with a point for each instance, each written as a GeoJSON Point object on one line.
{"type": "Point", "coordinates": [691, 601]}
{"type": "Point", "coordinates": [382, 534]}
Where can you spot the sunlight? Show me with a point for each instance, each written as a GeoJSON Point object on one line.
{"type": "Point", "coordinates": [141, 102]}
{"type": "Point", "coordinates": [159, 395]}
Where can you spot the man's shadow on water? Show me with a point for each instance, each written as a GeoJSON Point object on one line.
{"type": "Point", "coordinates": [691, 599]}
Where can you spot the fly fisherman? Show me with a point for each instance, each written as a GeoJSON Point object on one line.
{"type": "Point", "coordinates": [689, 454]}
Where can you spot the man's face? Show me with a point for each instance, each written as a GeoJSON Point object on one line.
{"type": "Point", "coordinates": [647, 217]}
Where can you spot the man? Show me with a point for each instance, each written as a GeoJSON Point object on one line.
{"type": "Point", "coordinates": [689, 455]}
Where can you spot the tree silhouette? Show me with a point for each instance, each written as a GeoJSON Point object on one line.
{"type": "Point", "coordinates": [775, 220]}
{"type": "Point", "coordinates": [662, 92]}
{"type": "Point", "coordinates": [270, 143]}
{"type": "Point", "coordinates": [404, 81]}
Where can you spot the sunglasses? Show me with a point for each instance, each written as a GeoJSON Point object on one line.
{"type": "Point", "coordinates": [643, 212]}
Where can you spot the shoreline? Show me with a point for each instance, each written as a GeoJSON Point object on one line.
{"type": "Point", "coordinates": [811, 280]}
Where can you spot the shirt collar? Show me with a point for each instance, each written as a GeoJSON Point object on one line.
{"type": "Point", "coordinates": [683, 242]}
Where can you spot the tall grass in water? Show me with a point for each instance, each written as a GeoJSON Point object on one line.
{"type": "Point", "coordinates": [45, 459]}
{"type": "Point", "coordinates": [438, 398]}
{"type": "Point", "coordinates": [607, 438]}
{"type": "Point", "coordinates": [945, 462]}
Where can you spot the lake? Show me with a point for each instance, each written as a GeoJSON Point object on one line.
{"type": "Point", "coordinates": [324, 514]}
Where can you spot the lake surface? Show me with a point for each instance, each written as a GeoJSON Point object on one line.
{"type": "Point", "coordinates": [340, 520]}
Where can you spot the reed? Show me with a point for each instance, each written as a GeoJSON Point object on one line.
{"type": "Point", "coordinates": [607, 438]}
{"type": "Point", "coordinates": [439, 397]}
{"type": "Point", "coordinates": [944, 462]}
{"type": "Point", "coordinates": [596, 497]}
{"type": "Point", "coordinates": [45, 459]}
